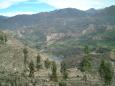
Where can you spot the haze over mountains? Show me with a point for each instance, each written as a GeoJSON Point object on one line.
{"type": "Point", "coordinates": [69, 23]}
{"type": "Point", "coordinates": [65, 36]}
{"type": "Point", "coordinates": [60, 17]}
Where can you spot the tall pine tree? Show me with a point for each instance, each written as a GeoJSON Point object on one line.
{"type": "Point", "coordinates": [63, 70]}
{"type": "Point", "coordinates": [25, 52]}
{"type": "Point", "coordinates": [31, 67]}
{"type": "Point", "coordinates": [54, 72]}
{"type": "Point", "coordinates": [38, 62]}
{"type": "Point", "coordinates": [85, 65]}
{"type": "Point", "coordinates": [106, 72]}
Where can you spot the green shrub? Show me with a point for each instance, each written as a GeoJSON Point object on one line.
{"type": "Point", "coordinates": [62, 83]}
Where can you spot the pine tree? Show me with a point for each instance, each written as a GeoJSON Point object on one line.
{"type": "Point", "coordinates": [5, 38]}
{"type": "Point", "coordinates": [85, 65]}
{"type": "Point", "coordinates": [38, 61]}
{"type": "Point", "coordinates": [106, 72]}
{"type": "Point", "coordinates": [86, 50]}
{"type": "Point", "coordinates": [62, 83]}
{"type": "Point", "coordinates": [25, 52]}
{"type": "Point", "coordinates": [63, 70]}
{"type": "Point", "coordinates": [47, 63]}
{"type": "Point", "coordinates": [31, 67]}
{"type": "Point", "coordinates": [54, 72]}
{"type": "Point", "coordinates": [65, 75]}
{"type": "Point", "coordinates": [2, 37]}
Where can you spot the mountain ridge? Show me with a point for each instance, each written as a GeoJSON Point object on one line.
{"type": "Point", "coordinates": [62, 24]}
{"type": "Point", "coordinates": [57, 16]}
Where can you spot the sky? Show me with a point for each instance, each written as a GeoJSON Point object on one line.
{"type": "Point", "coordinates": [16, 7]}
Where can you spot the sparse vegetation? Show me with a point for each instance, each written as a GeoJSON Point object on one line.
{"type": "Point", "coordinates": [53, 76]}
{"type": "Point", "coordinates": [47, 63]}
{"type": "Point", "coordinates": [59, 37]}
{"type": "Point", "coordinates": [32, 69]}
{"type": "Point", "coordinates": [38, 62]}
{"type": "Point", "coordinates": [25, 52]}
{"type": "Point", "coordinates": [62, 83]}
{"type": "Point", "coordinates": [106, 71]}
{"type": "Point", "coordinates": [63, 70]}
{"type": "Point", "coordinates": [3, 38]}
{"type": "Point", "coordinates": [85, 65]}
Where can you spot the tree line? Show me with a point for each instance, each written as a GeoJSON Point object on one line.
{"type": "Point", "coordinates": [105, 69]}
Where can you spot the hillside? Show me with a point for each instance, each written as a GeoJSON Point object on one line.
{"type": "Point", "coordinates": [11, 54]}
{"type": "Point", "coordinates": [51, 32]}
{"type": "Point", "coordinates": [12, 67]}
{"type": "Point", "coordinates": [49, 48]}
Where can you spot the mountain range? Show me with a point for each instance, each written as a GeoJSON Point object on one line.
{"type": "Point", "coordinates": [52, 31]}
{"type": "Point", "coordinates": [58, 17]}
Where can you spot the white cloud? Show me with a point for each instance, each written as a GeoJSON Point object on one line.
{"type": "Point", "coordinates": [9, 14]}
{"type": "Point", "coordinates": [80, 4]}
{"type": "Point", "coordinates": [7, 3]}
{"type": "Point", "coordinates": [59, 4]}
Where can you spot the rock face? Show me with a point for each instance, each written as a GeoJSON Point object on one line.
{"type": "Point", "coordinates": [90, 29]}
{"type": "Point", "coordinates": [37, 29]}
{"type": "Point", "coordinates": [74, 72]}
{"type": "Point", "coordinates": [57, 36]}
{"type": "Point", "coordinates": [112, 55]}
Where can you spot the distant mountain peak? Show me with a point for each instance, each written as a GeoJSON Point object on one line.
{"type": "Point", "coordinates": [110, 10]}
{"type": "Point", "coordinates": [68, 18]}
{"type": "Point", "coordinates": [91, 9]}
{"type": "Point", "coordinates": [68, 10]}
